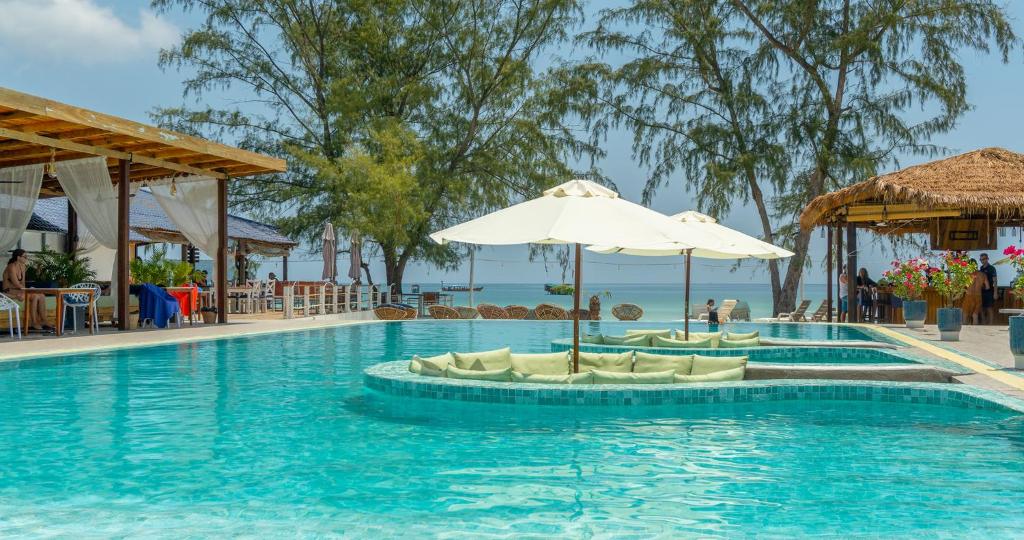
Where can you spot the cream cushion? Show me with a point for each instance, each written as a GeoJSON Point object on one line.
{"type": "Point", "coordinates": [659, 341]}
{"type": "Point", "coordinates": [740, 343]}
{"type": "Point", "coordinates": [611, 377]}
{"type": "Point", "coordinates": [697, 336]}
{"type": "Point", "coordinates": [703, 365]}
{"type": "Point", "coordinates": [575, 378]}
{"type": "Point", "coordinates": [541, 364]}
{"type": "Point", "coordinates": [497, 375]}
{"type": "Point", "coordinates": [430, 366]}
{"type": "Point", "coordinates": [484, 361]}
{"type": "Point", "coordinates": [653, 363]}
{"type": "Point", "coordinates": [635, 341]}
{"type": "Point", "coordinates": [648, 332]}
{"type": "Point", "coordinates": [747, 335]}
{"type": "Point", "coordinates": [596, 339]}
{"type": "Point", "coordinates": [734, 374]}
{"type": "Point", "coordinates": [616, 362]}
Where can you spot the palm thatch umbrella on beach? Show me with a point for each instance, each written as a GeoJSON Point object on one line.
{"type": "Point", "coordinates": [576, 212]}
{"type": "Point", "coordinates": [707, 239]}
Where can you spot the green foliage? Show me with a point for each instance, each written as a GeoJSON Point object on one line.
{"type": "Point", "coordinates": [161, 271]}
{"type": "Point", "coordinates": [397, 117]}
{"type": "Point", "coordinates": [560, 289]}
{"type": "Point", "coordinates": [64, 268]}
{"type": "Point", "coordinates": [778, 102]}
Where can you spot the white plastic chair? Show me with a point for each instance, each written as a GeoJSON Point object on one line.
{"type": "Point", "coordinates": [13, 314]}
{"type": "Point", "coordinates": [73, 301]}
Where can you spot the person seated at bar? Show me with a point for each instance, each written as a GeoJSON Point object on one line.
{"type": "Point", "coordinates": [865, 289]}
{"type": "Point", "coordinates": [712, 311]}
{"type": "Point", "coordinates": [990, 293]}
{"type": "Point", "coordinates": [13, 285]}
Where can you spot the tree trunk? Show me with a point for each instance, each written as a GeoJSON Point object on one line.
{"type": "Point", "coordinates": [778, 305]}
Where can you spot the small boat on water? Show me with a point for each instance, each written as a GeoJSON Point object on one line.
{"type": "Point", "coordinates": [460, 288]}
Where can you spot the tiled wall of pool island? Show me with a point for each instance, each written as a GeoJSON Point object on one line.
{"type": "Point", "coordinates": [774, 355]}
{"type": "Point", "coordinates": [394, 378]}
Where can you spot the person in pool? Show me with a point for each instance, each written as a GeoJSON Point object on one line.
{"type": "Point", "coordinates": [13, 285]}
{"type": "Point", "coordinates": [712, 311]}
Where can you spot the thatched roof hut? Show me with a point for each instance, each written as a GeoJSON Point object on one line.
{"type": "Point", "coordinates": [985, 183]}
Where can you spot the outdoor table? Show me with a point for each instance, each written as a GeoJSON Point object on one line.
{"type": "Point", "coordinates": [59, 292]}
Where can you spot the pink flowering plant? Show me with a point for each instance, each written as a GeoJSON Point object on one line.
{"type": "Point", "coordinates": [1016, 257]}
{"type": "Point", "coordinates": [908, 278]}
{"type": "Point", "coordinates": [955, 276]}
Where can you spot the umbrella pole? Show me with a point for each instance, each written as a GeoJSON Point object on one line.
{"type": "Point", "coordinates": [576, 313]}
{"type": "Point", "coordinates": [686, 315]}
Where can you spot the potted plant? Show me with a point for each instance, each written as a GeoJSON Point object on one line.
{"type": "Point", "coordinates": [50, 268]}
{"type": "Point", "coordinates": [161, 271]}
{"type": "Point", "coordinates": [951, 282]}
{"type": "Point", "coordinates": [209, 315]}
{"type": "Point", "coordinates": [1015, 256]}
{"type": "Point", "coordinates": [908, 280]}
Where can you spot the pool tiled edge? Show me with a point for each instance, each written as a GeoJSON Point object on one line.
{"type": "Point", "coordinates": [394, 378]}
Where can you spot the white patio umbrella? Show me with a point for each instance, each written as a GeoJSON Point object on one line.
{"type": "Point", "coordinates": [330, 252]}
{"type": "Point", "coordinates": [707, 239]}
{"type": "Point", "coordinates": [576, 212]}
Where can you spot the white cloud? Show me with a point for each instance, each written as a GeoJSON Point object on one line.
{"type": "Point", "coordinates": [79, 31]}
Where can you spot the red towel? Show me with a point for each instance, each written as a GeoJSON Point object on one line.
{"type": "Point", "coordinates": [188, 300]}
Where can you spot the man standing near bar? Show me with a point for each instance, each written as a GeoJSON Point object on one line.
{"type": "Point", "coordinates": [989, 295]}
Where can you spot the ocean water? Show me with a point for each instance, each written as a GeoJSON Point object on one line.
{"type": "Point", "coordinates": [660, 302]}
{"type": "Point", "coordinates": [276, 436]}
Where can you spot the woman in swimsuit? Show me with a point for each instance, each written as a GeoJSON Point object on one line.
{"type": "Point", "coordinates": [14, 285]}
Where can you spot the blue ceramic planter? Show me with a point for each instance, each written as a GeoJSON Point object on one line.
{"type": "Point", "coordinates": [950, 321]}
{"type": "Point", "coordinates": [914, 312]}
{"type": "Point", "coordinates": [1017, 340]}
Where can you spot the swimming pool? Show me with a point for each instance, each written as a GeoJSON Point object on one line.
{"type": "Point", "coordinates": [276, 436]}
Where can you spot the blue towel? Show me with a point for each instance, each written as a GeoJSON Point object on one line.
{"type": "Point", "coordinates": [156, 304]}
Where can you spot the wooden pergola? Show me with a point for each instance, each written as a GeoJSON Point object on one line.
{"type": "Point", "coordinates": [958, 201]}
{"type": "Point", "coordinates": [35, 130]}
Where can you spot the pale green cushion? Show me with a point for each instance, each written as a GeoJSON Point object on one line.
{"type": "Point", "coordinates": [739, 343]}
{"type": "Point", "coordinates": [596, 339]}
{"type": "Point", "coordinates": [617, 362]}
{"type": "Point", "coordinates": [541, 364]}
{"type": "Point", "coordinates": [634, 341]}
{"type": "Point", "coordinates": [734, 374]}
{"type": "Point", "coordinates": [611, 377]}
{"type": "Point", "coordinates": [679, 344]}
{"type": "Point", "coordinates": [648, 332]}
{"type": "Point", "coordinates": [430, 366]}
{"type": "Point", "coordinates": [484, 361]}
{"type": "Point", "coordinates": [653, 363]}
{"type": "Point", "coordinates": [703, 365]}
{"type": "Point", "coordinates": [575, 378]}
{"type": "Point", "coordinates": [735, 336]}
{"type": "Point", "coordinates": [698, 336]}
{"type": "Point", "coordinates": [498, 375]}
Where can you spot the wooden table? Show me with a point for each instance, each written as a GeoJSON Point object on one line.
{"type": "Point", "coordinates": [59, 292]}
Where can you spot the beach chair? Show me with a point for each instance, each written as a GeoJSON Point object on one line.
{"type": "Point", "coordinates": [13, 314]}
{"type": "Point", "coordinates": [550, 312]}
{"type": "Point", "coordinates": [627, 312]}
{"type": "Point", "coordinates": [584, 314]}
{"type": "Point", "coordinates": [443, 312]}
{"type": "Point", "coordinates": [491, 311]}
{"type": "Point", "coordinates": [74, 302]}
{"type": "Point", "coordinates": [467, 312]}
{"type": "Point", "coordinates": [517, 312]}
{"type": "Point", "coordinates": [725, 311]}
{"type": "Point", "coordinates": [796, 315]}
{"type": "Point", "coordinates": [820, 313]}
{"type": "Point", "coordinates": [741, 312]}
{"type": "Point", "coordinates": [395, 312]}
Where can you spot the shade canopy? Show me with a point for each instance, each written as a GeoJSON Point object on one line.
{"type": "Point", "coordinates": [579, 211]}
{"type": "Point", "coordinates": [709, 240]}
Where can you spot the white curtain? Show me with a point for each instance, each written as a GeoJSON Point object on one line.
{"type": "Point", "coordinates": [19, 190]}
{"type": "Point", "coordinates": [91, 192]}
{"type": "Point", "coordinates": [193, 210]}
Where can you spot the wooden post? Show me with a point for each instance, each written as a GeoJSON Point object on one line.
{"type": "Point", "coordinates": [184, 252]}
{"type": "Point", "coordinates": [686, 314]}
{"type": "Point", "coordinates": [839, 266]}
{"type": "Point", "coordinates": [576, 312]}
{"type": "Point", "coordinates": [222, 251]}
{"type": "Point", "coordinates": [284, 268]}
{"type": "Point", "coordinates": [71, 241]}
{"type": "Point", "coordinates": [124, 168]}
{"type": "Point", "coordinates": [853, 310]}
{"type": "Point", "coordinates": [243, 272]}
{"type": "Point", "coordinates": [828, 272]}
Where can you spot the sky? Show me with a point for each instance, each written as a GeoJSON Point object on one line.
{"type": "Point", "coordinates": [102, 55]}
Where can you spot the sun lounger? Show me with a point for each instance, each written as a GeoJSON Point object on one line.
{"type": "Point", "coordinates": [443, 312]}
{"type": "Point", "coordinates": [491, 311]}
{"type": "Point", "coordinates": [627, 312]}
{"type": "Point", "coordinates": [820, 313]}
{"type": "Point", "coordinates": [796, 315]}
{"type": "Point", "coordinates": [517, 312]}
{"type": "Point", "coordinates": [550, 312]}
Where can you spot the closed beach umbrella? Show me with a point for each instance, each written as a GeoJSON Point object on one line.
{"type": "Point", "coordinates": [355, 259]}
{"type": "Point", "coordinates": [576, 212]}
{"type": "Point", "coordinates": [705, 238]}
{"type": "Point", "coordinates": [330, 252]}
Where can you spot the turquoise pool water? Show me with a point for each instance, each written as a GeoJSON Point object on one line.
{"type": "Point", "coordinates": [275, 436]}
